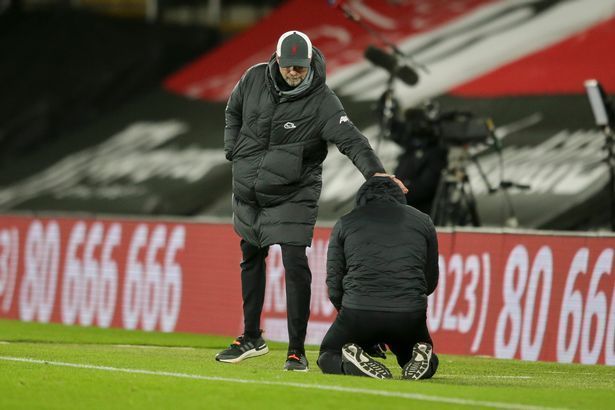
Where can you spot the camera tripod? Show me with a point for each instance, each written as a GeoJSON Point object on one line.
{"type": "Point", "coordinates": [609, 145]}
{"type": "Point", "coordinates": [454, 203]}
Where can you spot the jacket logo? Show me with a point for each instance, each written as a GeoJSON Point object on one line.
{"type": "Point", "coordinates": [289, 126]}
{"type": "Point", "coordinates": [343, 118]}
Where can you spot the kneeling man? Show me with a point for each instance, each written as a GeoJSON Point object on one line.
{"type": "Point", "coordinates": [382, 264]}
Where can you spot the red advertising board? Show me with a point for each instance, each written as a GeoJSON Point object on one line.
{"type": "Point", "coordinates": [528, 296]}
{"type": "Point", "coordinates": [130, 274]}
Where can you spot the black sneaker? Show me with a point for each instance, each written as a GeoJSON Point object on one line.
{"type": "Point", "coordinates": [296, 362]}
{"type": "Point", "coordinates": [243, 348]}
{"type": "Point", "coordinates": [358, 363]}
{"type": "Point", "coordinates": [419, 364]}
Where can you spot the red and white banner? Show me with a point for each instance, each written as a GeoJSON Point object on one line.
{"type": "Point", "coordinates": [508, 295]}
{"type": "Point", "coordinates": [129, 274]}
{"type": "Point", "coordinates": [213, 76]}
{"type": "Point", "coordinates": [531, 297]}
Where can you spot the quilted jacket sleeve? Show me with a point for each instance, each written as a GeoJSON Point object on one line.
{"type": "Point", "coordinates": [233, 117]}
{"type": "Point", "coordinates": [339, 130]}
{"type": "Point", "coordinates": [336, 266]}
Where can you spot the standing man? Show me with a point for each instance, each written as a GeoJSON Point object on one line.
{"type": "Point", "coordinates": [382, 263]}
{"type": "Point", "coordinates": [279, 119]}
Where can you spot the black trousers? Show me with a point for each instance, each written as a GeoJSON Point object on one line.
{"type": "Point", "coordinates": [399, 330]}
{"type": "Point", "coordinates": [298, 279]}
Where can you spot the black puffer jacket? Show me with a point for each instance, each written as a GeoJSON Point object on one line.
{"type": "Point", "coordinates": [383, 255]}
{"type": "Point", "coordinates": [277, 146]}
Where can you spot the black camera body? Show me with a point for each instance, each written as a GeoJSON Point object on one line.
{"type": "Point", "coordinates": [452, 128]}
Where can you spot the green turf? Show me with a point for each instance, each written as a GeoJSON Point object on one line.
{"type": "Point", "coordinates": [260, 383]}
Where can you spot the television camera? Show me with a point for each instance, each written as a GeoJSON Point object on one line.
{"type": "Point", "coordinates": [455, 132]}
{"type": "Point", "coordinates": [450, 128]}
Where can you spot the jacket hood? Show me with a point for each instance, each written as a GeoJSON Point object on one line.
{"type": "Point", "coordinates": [318, 65]}
{"type": "Point", "coordinates": [380, 189]}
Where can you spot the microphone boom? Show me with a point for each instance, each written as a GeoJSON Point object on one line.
{"type": "Point", "coordinates": [391, 63]}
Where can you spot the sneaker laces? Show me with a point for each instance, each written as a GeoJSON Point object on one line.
{"type": "Point", "coordinates": [238, 340]}
{"type": "Point", "coordinates": [295, 355]}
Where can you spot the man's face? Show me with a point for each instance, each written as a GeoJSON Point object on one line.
{"type": "Point", "coordinates": [293, 75]}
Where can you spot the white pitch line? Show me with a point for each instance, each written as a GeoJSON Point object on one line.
{"type": "Point", "coordinates": [154, 347]}
{"type": "Point", "coordinates": [383, 393]}
{"type": "Point", "coordinates": [481, 376]}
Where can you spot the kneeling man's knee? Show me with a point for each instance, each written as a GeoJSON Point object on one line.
{"type": "Point", "coordinates": [330, 362]}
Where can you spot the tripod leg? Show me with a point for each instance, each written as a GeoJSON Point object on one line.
{"type": "Point", "coordinates": [439, 202]}
{"type": "Point", "coordinates": [470, 203]}
{"type": "Point", "coordinates": [611, 163]}
{"type": "Point", "coordinates": [473, 212]}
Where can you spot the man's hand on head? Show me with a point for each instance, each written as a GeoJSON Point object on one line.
{"type": "Point", "coordinates": [397, 181]}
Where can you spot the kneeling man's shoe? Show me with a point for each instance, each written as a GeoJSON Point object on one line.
{"type": "Point", "coordinates": [358, 363]}
{"type": "Point", "coordinates": [419, 364]}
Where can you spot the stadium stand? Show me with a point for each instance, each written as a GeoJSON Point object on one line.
{"type": "Point", "coordinates": [65, 68]}
{"type": "Point", "coordinates": [521, 64]}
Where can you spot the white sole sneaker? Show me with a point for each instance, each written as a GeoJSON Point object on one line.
{"type": "Point", "coordinates": [307, 369]}
{"type": "Point", "coordinates": [258, 351]}
{"type": "Point", "coordinates": [419, 364]}
{"type": "Point", "coordinates": [362, 364]}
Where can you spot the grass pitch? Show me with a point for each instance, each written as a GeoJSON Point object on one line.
{"type": "Point", "coordinates": [63, 367]}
